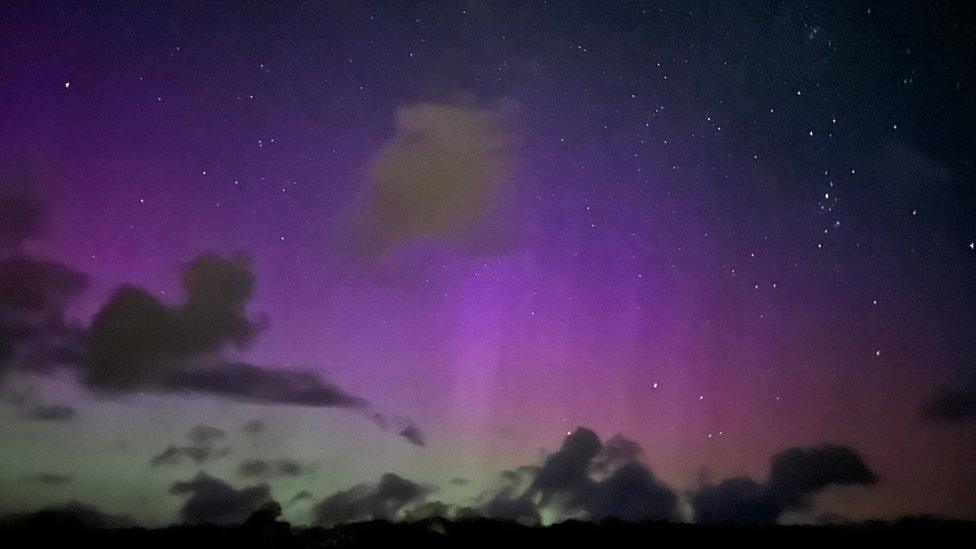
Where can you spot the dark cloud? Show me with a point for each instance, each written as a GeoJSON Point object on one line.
{"type": "Point", "coordinates": [52, 479]}
{"type": "Point", "coordinates": [254, 427]}
{"type": "Point", "coordinates": [505, 505]}
{"type": "Point", "coordinates": [281, 467]}
{"type": "Point", "coordinates": [413, 434]}
{"type": "Point", "coordinates": [618, 450]}
{"type": "Point", "coordinates": [34, 293]}
{"type": "Point", "coordinates": [23, 212]}
{"type": "Point", "coordinates": [214, 501]}
{"type": "Point", "coordinates": [53, 412]}
{"type": "Point", "coordinates": [37, 290]}
{"type": "Point", "coordinates": [953, 405]}
{"type": "Point", "coordinates": [584, 479]}
{"type": "Point", "coordinates": [439, 177]}
{"type": "Point", "coordinates": [458, 481]}
{"type": "Point", "coordinates": [737, 500]}
{"type": "Point", "coordinates": [34, 332]}
{"type": "Point", "coordinates": [798, 473]}
{"type": "Point", "coordinates": [795, 476]}
{"type": "Point", "coordinates": [205, 434]}
{"type": "Point", "coordinates": [628, 492]}
{"type": "Point", "coordinates": [200, 449]}
{"type": "Point", "coordinates": [632, 493]}
{"type": "Point", "coordinates": [403, 426]}
{"type": "Point", "coordinates": [175, 455]}
{"type": "Point", "coordinates": [565, 471]}
{"type": "Point", "coordinates": [389, 499]}
{"type": "Point", "coordinates": [138, 343]}
{"type": "Point", "coordinates": [250, 383]}
{"type": "Point", "coordinates": [266, 516]}
{"type": "Point", "coordinates": [508, 501]}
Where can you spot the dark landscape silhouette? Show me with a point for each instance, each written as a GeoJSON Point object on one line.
{"type": "Point", "coordinates": [58, 528]}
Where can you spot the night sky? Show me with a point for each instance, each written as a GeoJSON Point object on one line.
{"type": "Point", "coordinates": [295, 248]}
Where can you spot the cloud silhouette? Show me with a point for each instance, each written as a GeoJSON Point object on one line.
{"type": "Point", "coordinates": [506, 505]}
{"type": "Point", "coordinates": [617, 450]}
{"type": "Point", "coordinates": [135, 342]}
{"type": "Point", "coordinates": [138, 343]}
{"type": "Point", "coordinates": [52, 479]}
{"type": "Point", "coordinates": [565, 471]}
{"type": "Point", "coordinates": [175, 455]}
{"type": "Point", "coordinates": [205, 434]}
{"type": "Point", "coordinates": [34, 295]}
{"type": "Point", "coordinates": [737, 500]}
{"type": "Point", "coordinates": [583, 479]}
{"type": "Point", "coordinates": [280, 467]}
{"type": "Point", "coordinates": [200, 449]}
{"type": "Point", "coordinates": [629, 492]}
{"type": "Point", "coordinates": [588, 479]}
{"type": "Point", "coordinates": [953, 405]}
{"type": "Point", "coordinates": [439, 177]}
{"type": "Point", "coordinates": [795, 476]}
{"type": "Point", "coordinates": [214, 501]}
{"type": "Point", "coordinates": [250, 383]}
{"type": "Point", "coordinates": [23, 213]}
{"type": "Point", "coordinates": [632, 493]}
{"type": "Point", "coordinates": [53, 412]}
{"type": "Point", "coordinates": [797, 473]}
{"type": "Point", "coordinates": [413, 434]}
{"type": "Point", "coordinates": [388, 499]}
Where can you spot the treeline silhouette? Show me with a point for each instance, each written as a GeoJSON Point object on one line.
{"type": "Point", "coordinates": [263, 529]}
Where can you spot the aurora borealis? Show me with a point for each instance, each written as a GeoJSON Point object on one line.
{"type": "Point", "coordinates": [298, 247]}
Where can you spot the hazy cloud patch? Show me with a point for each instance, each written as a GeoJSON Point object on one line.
{"type": "Point", "coordinates": [254, 427]}
{"type": "Point", "coordinates": [54, 412]}
{"type": "Point", "coordinates": [954, 404]}
{"type": "Point", "coordinates": [439, 177]}
{"type": "Point", "coordinates": [205, 434]}
{"type": "Point", "coordinates": [52, 479]}
{"type": "Point", "coordinates": [23, 212]}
